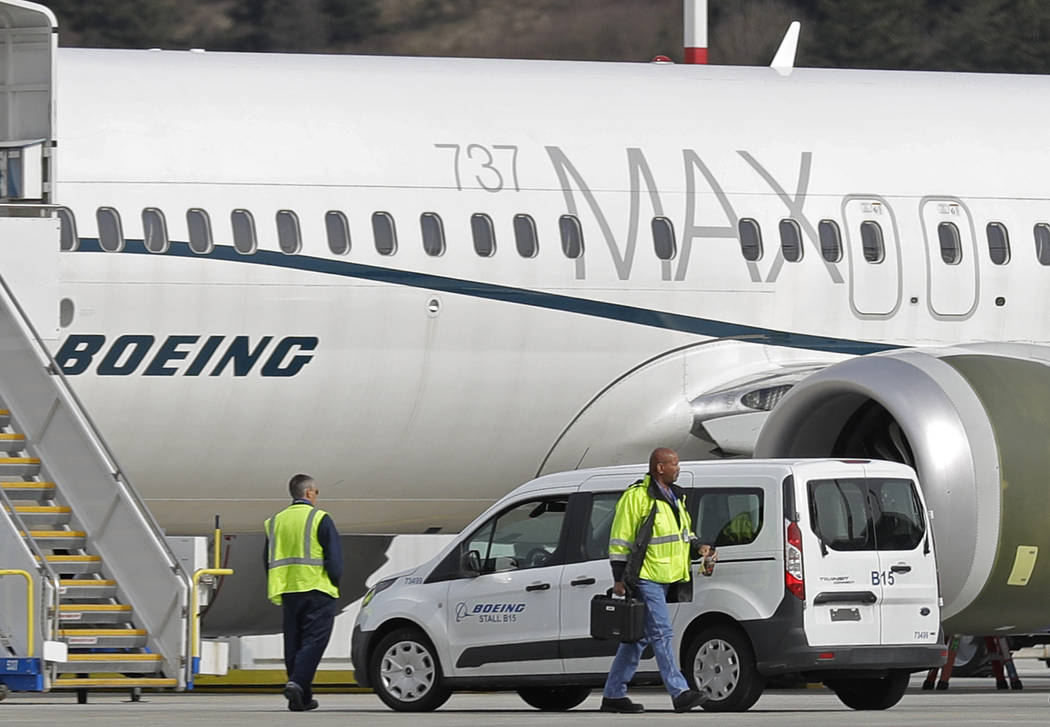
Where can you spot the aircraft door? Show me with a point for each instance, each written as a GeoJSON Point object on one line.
{"type": "Point", "coordinates": [951, 257]}
{"type": "Point", "coordinates": [875, 276]}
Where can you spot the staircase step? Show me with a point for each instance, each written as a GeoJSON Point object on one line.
{"type": "Point", "coordinates": [71, 539]}
{"type": "Point", "coordinates": [19, 466]}
{"type": "Point", "coordinates": [12, 442]}
{"type": "Point", "coordinates": [113, 683]}
{"type": "Point", "coordinates": [40, 515]}
{"type": "Point", "coordinates": [106, 663]}
{"type": "Point", "coordinates": [103, 638]}
{"type": "Point", "coordinates": [87, 588]}
{"type": "Point", "coordinates": [75, 564]}
{"type": "Point", "coordinates": [5, 417]}
{"type": "Point", "coordinates": [28, 490]}
{"type": "Point", "coordinates": [94, 613]}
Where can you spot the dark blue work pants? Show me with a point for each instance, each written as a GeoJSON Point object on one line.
{"type": "Point", "coordinates": [308, 619]}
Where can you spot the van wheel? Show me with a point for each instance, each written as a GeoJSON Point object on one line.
{"type": "Point", "coordinates": [871, 693]}
{"type": "Point", "coordinates": [554, 699]}
{"type": "Point", "coordinates": [406, 672]}
{"type": "Point", "coordinates": [721, 664]}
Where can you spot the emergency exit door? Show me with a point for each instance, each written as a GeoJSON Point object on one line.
{"type": "Point", "coordinates": [951, 257]}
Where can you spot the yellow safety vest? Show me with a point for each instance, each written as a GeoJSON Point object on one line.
{"type": "Point", "coordinates": [294, 558]}
{"type": "Point", "coordinates": [667, 557]}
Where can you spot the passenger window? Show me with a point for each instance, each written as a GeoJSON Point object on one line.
{"type": "Point", "coordinates": [338, 231]}
{"type": "Point", "coordinates": [866, 514]}
{"type": "Point", "coordinates": [199, 225]}
{"type": "Point", "coordinates": [525, 236]}
{"type": "Point", "coordinates": [599, 525]}
{"type": "Point", "coordinates": [871, 242]}
{"type": "Point", "coordinates": [998, 243]}
{"type": "Point", "coordinates": [526, 536]}
{"type": "Point", "coordinates": [244, 240]}
{"type": "Point", "coordinates": [110, 234]}
{"type": "Point", "coordinates": [663, 238]}
{"type": "Point", "coordinates": [433, 234]}
{"type": "Point", "coordinates": [790, 240]}
{"type": "Point", "coordinates": [830, 241]}
{"type": "Point", "coordinates": [68, 239]}
{"type": "Point", "coordinates": [750, 239]}
{"type": "Point", "coordinates": [154, 230]}
{"type": "Point", "coordinates": [950, 242]}
{"type": "Point", "coordinates": [571, 236]}
{"type": "Point", "coordinates": [384, 233]}
{"type": "Point", "coordinates": [728, 516]}
{"type": "Point", "coordinates": [484, 235]}
{"type": "Point", "coordinates": [1042, 243]}
{"type": "Point", "coordinates": [289, 238]}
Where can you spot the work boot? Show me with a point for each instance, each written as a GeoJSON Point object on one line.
{"type": "Point", "coordinates": [294, 694]}
{"type": "Point", "coordinates": [687, 700]}
{"type": "Point", "coordinates": [623, 705]}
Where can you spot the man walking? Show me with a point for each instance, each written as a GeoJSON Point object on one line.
{"type": "Point", "coordinates": [665, 562]}
{"type": "Point", "coordinates": [304, 562]}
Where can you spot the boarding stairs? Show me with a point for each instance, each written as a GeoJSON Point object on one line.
{"type": "Point", "coordinates": [91, 596]}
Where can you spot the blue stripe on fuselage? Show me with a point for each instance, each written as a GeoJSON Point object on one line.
{"type": "Point", "coordinates": [508, 294]}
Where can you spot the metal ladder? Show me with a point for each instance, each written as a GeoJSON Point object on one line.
{"type": "Point", "coordinates": [101, 602]}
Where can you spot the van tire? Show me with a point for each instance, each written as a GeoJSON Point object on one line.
{"type": "Point", "coordinates": [406, 672]}
{"type": "Point", "coordinates": [554, 699]}
{"type": "Point", "coordinates": [871, 693]}
{"type": "Point", "coordinates": [720, 664]}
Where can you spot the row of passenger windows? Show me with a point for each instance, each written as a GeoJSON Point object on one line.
{"type": "Point", "coordinates": [526, 239]}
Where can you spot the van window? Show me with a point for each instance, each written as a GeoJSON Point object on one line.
{"type": "Point", "coordinates": [526, 536]}
{"type": "Point", "coordinates": [728, 516]}
{"type": "Point", "coordinates": [599, 525]}
{"type": "Point", "coordinates": [866, 514]}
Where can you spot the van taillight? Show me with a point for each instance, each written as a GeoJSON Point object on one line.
{"type": "Point", "coordinates": [793, 562]}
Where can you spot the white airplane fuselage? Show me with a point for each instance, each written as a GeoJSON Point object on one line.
{"type": "Point", "coordinates": [418, 388]}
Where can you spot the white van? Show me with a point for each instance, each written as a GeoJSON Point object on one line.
{"type": "Point", "coordinates": [826, 570]}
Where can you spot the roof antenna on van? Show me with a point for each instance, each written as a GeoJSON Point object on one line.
{"type": "Point", "coordinates": [784, 60]}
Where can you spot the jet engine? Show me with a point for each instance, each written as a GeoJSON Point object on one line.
{"type": "Point", "coordinates": [974, 421]}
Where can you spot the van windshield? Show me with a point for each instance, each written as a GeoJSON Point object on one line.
{"type": "Point", "coordinates": [866, 514]}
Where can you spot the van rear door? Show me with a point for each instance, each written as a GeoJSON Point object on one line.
{"type": "Point", "coordinates": [907, 570]}
{"type": "Point", "coordinates": [839, 558]}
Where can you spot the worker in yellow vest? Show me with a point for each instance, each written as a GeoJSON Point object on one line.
{"type": "Point", "coordinates": [304, 562]}
{"type": "Point", "coordinates": [659, 566]}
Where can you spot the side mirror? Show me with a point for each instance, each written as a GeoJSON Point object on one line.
{"type": "Point", "coordinates": [470, 562]}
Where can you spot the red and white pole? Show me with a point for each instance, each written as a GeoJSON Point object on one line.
{"type": "Point", "coordinates": [695, 12]}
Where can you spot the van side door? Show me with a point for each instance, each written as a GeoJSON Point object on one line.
{"type": "Point", "coordinates": [504, 619]}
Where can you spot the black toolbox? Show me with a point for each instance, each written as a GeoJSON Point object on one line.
{"type": "Point", "coordinates": [618, 619]}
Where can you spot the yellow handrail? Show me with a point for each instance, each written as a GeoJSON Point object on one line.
{"type": "Point", "coordinates": [29, 604]}
{"type": "Point", "coordinates": [193, 602]}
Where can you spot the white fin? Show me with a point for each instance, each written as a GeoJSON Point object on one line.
{"type": "Point", "coordinates": [784, 60]}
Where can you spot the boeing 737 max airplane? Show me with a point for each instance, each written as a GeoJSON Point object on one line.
{"type": "Point", "coordinates": [425, 281]}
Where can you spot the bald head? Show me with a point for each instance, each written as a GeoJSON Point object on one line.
{"type": "Point", "coordinates": [663, 465]}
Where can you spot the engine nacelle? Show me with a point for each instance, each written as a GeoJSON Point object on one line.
{"type": "Point", "coordinates": [974, 421]}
